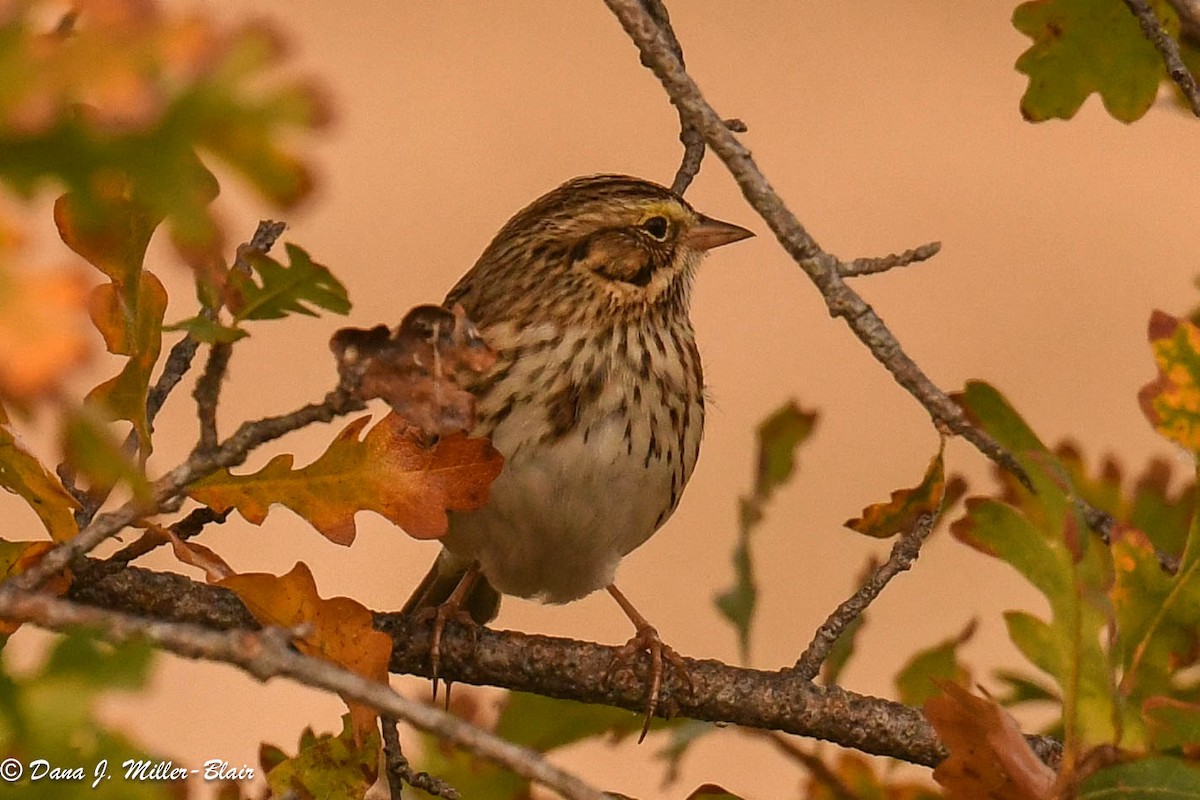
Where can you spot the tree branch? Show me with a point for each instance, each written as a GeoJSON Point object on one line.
{"type": "Point", "coordinates": [267, 654]}
{"type": "Point", "coordinates": [233, 451]}
{"type": "Point", "coordinates": [1168, 48]}
{"type": "Point", "coordinates": [561, 668]}
{"type": "Point", "coordinates": [822, 268]}
{"type": "Point", "coordinates": [904, 553]}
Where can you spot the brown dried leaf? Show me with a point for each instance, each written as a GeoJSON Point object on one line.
{"type": "Point", "coordinates": [989, 757]}
{"type": "Point", "coordinates": [388, 472]}
{"type": "Point", "coordinates": [196, 555]}
{"type": "Point", "coordinates": [339, 629]}
{"type": "Point", "coordinates": [419, 369]}
{"type": "Point", "coordinates": [17, 557]}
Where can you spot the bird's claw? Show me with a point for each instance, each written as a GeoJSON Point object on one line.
{"type": "Point", "coordinates": [440, 615]}
{"type": "Point", "coordinates": [661, 655]}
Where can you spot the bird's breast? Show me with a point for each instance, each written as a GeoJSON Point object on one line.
{"type": "Point", "coordinates": [600, 433]}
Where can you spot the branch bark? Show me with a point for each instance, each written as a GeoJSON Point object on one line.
{"type": "Point", "coordinates": [562, 668]}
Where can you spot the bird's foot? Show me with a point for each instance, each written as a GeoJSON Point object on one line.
{"type": "Point", "coordinates": [440, 615]}
{"type": "Point", "coordinates": [662, 655]}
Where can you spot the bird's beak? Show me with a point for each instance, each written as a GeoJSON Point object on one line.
{"type": "Point", "coordinates": [709, 233]}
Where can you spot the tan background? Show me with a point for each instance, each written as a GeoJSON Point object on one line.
{"type": "Point", "coordinates": [885, 125]}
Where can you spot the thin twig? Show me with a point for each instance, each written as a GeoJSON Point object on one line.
{"type": "Point", "coordinates": [1168, 48]}
{"type": "Point", "coordinates": [689, 135]}
{"type": "Point", "coordinates": [870, 266]}
{"type": "Point", "coordinates": [400, 772]}
{"type": "Point", "coordinates": [208, 392]}
{"type": "Point", "coordinates": [821, 267]}
{"type": "Point", "coordinates": [904, 553]}
{"type": "Point", "coordinates": [267, 654]}
{"type": "Point", "coordinates": [233, 451]}
{"type": "Point", "coordinates": [186, 528]}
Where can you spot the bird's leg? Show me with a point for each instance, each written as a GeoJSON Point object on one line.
{"type": "Point", "coordinates": [646, 639]}
{"type": "Point", "coordinates": [451, 608]}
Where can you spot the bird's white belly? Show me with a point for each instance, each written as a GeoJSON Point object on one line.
{"type": "Point", "coordinates": [561, 515]}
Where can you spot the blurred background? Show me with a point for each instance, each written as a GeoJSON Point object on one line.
{"type": "Point", "coordinates": [884, 126]}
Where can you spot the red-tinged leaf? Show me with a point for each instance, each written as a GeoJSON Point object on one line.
{"type": "Point", "coordinates": [1173, 724]}
{"type": "Point", "coordinates": [124, 396]}
{"type": "Point", "coordinates": [387, 472]}
{"type": "Point", "coordinates": [340, 629]}
{"type": "Point", "coordinates": [989, 757]}
{"type": "Point", "coordinates": [1172, 400]}
{"type": "Point", "coordinates": [17, 557]}
{"type": "Point", "coordinates": [900, 514]}
{"type": "Point", "coordinates": [327, 766]}
{"type": "Point", "coordinates": [22, 474]}
{"type": "Point", "coordinates": [42, 331]}
{"type": "Point", "coordinates": [196, 555]}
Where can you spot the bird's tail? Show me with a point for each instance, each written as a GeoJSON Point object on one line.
{"type": "Point", "coordinates": [482, 603]}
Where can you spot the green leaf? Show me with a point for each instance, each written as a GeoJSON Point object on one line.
{"type": "Point", "coordinates": [682, 736]}
{"type": "Point", "coordinates": [94, 453]}
{"type": "Point", "coordinates": [298, 288]}
{"type": "Point", "coordinates": [140, 95]}
{"type": "Point", "coordinates": [1042, 536]}
{"type": "Point", "coordinates": [916, 681]}
{"type": "Point", "coordinates": [22, 474]}
{"type": "Point", "coordinates": [1155, 778]}
{"type": "Point", "coordinates": [208, 331]}
{"type": "Point", "coordinates": [779, 436]}
{"type": "Point", "coordinates": [545, 723]}
{"type": "Point", "coordinates": [842, 651]}
{"type": "Point", "coordinates": [1021, 688]}
{"type": "Point", "coordinates": [328, 767]}
{"type": "Point", "coordinates": [1085, 46]}
{"type": "Point", "coordinates": [49, 714]}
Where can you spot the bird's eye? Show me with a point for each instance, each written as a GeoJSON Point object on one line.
{"type": "Point", "coordinates": [656, 227]}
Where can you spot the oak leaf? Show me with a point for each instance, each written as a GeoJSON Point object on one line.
{"type": "Point", "coordinates": [989, 757]}
{"type": "Point", "coordinates": [1172, 401]}
{"type": "Point", "coordinates": [42, 334]}
{"type": "Point", "coordinates": [388, 472]}
{"type": "Point", "coordinates": [906, 506]}
{"type": "Point", "coordinates": [22, 474]}
{"type": "Point", "coordinates": [17, 557]}
{"type": "Point", "coordinates": [338, 629]}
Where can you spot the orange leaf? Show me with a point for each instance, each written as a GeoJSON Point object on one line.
{"type": "Point", "coordinates": [387, 472]}
{"type": "Point", "coordinates": [41, 330]}
{"type": "Point", "coordinates": [17, 557]}
{"type": "Point", "coordinates": [338, 629]}
{"type": "Point", "coordinates": [900, 514]}
{"type": "Point", "coordinates": [989, 757]}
